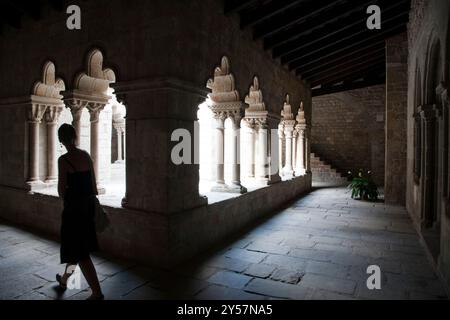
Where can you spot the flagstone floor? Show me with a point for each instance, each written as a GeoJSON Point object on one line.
{"type": "Point", "coordinates": [317, 248]}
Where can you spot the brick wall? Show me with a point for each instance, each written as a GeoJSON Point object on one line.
{"type": "Point", "coordinates": [348, 130]}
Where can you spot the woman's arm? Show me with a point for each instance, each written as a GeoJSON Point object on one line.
{"type": "Point", "coordinates": [62, 177]}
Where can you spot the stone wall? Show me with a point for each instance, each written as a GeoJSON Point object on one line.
{"type": "Point", "coordinates": [163, 53]}
{"type": "Point", "coordinates": [348, 130]}
{"type": "Point", "coordinates": [396, 100]}
{"type": "Point", "coordinates": [427, 67]}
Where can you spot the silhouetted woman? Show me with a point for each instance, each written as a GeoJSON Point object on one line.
{"type": "Point", "coordinates": [78, 188]}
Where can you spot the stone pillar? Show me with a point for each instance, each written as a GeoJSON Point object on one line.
{"type": "Point", "coordinates": [154, 183]}
{"type": "Point", "coordinates": [76, 108]}
{"type": "Point", "coordinates": [263, 158]}
{"type": "Point", "coordinates": [250, 148]}
{"type": "Point", "coordinates": [235, 165]}
{"type": "Point", "coordinates": [51, 118]}
{"type": "Point", "coordinates": [396, 119]}
{"type": "Point", "coordinates": [94, 111]}
{"type": "Point", "coordinates": [288, 168]}
{"type": "Point", "coordinates": [35, 116]}
{"type": "Point", "coordinates": [120, 131]}
{"type": "Point", "coordinates": [219, 134]}
{"type": "Point", "coordinates": [280, 150]}
{"type": "Point", "coordinates": [300, 165]}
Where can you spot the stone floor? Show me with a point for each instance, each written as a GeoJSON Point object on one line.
{"type": "Point", "coordinates": [318, 248]}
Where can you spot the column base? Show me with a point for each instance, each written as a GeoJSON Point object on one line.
{"type": "Point", "coordinates": [288, 173]}
{"type": "Point", "coordinates": [300, 172]}
{"type": "Point", "coordinates": [228, 188]}
{"type": "Point", "coordinates": [237, 188]}
{"type": "Point", "coordinates": [51, 181]}
{"type": "Point", "coordinates": [36, 184]}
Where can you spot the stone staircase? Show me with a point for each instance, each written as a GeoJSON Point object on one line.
{"type": "Point", "coordinates": [324, 174]}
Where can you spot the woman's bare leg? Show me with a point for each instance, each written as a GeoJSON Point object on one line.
{"type": "Point", "coordinates": [70, 269]}
{"type": "Point", "coordinates": [89, 272]}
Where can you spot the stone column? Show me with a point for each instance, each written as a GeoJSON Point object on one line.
{"type": "Point", "coordinates": [94, 111]}
{"type": "Point", "coordinates": [300, 167]}
{"type": "Point", "coordinates": [280, 150]}
{"type": "Point", "coordinates": [34, 119]}
{"type": "Point", "coordinates": [288, 169]}
{"type": "Point", "coordinates": [120, 130]}
{"type": "Point", "coordinates": [294, 149]}
{"type": "Point", "coordinates": [76, 108]}
{"type": "Point", "coordinates": [219, 132]}
{"type": "Point", "coordinates": [263, 159]}
{"type": "Point", "coordinates": [51, 118]}
{"type": "Point", "coordinates": [235, 165]}
{"type": "Point", "coordinates": [250, 148]}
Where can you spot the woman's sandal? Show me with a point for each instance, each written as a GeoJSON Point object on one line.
{"type": "Point", "coordinates": [62, 285]}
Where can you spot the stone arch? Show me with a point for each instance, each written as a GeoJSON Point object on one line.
{"type": "Point", "coordinates": [46, 106]}
{"type": "Point", "coordinates": [49, 86]}
{"type": "Point", "coordinates": [95, 80]}
{"type": "Point", "coordinates": [418, 88]}
{"type": "Point", "coordinates": [433, 72]}
{"type": "Point", "coordinates": [225, 104]}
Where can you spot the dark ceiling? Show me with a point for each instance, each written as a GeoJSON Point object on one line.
{"type": "Point", "coordinates": [325, 42]}
{"type": "Point", "coordinates": [12, 11]}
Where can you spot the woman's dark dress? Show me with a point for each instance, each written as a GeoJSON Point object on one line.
{"type": "Point", "coordinates": [78, 234]}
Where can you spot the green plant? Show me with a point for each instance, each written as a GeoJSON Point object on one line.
{"type": "Point", "coordinates": [363, 187]}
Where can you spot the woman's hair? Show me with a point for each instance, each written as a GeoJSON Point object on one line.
{"type": "Point", "coordinates": [67, 134]}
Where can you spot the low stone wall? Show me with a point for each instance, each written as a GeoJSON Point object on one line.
{"type": "Point", "coordinates": [194, 231]}
{"type": "Point", "coordinates": [156, 239]}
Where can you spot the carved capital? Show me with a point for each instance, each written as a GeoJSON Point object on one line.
{"type": "Point", "coordinates": [94, 110]}
{"type": "Point", "coordinates": [76, 107]}
{"type": "Point", "coordinates": [36, 112]}
{"type": "Point", "coordinates": [52, 114]}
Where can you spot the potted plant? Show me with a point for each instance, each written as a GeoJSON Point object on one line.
{"type": "Point", "coordinates": [363, 187]}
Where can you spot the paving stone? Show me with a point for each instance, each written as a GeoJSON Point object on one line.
{"type": "Point", "coordinates": [110, 268]}
{"type": "Point", "coordinates": [277, 289]}
{"type": "Point", "coordinates": [298, 243]}
{"type": "Point", "coordinates": [327, 240]}
{"type": "Point", "coordinates": [291, 263]}
{"type": "Point", "coordinates": [419, 269]}
{"type": "Point", "coordinates": [32, 296]}
{"type": "Point", "coordinates": [230, 279]}
{"type": "Point", "coordinates": [23, 283]}
{"type": "Point", "coordinates": [327, 269]}
{"type": "Point", "coordinates": [328, 283]}
{"type": "Point", "coordinates": [387, 292]}
{"type": "Point", "coordinates": [333, 248]}
{"type": "Point", "coordinates": [246, 255]}
{"type": "Point", "coordinates": [311, 254]}
{"type": "Point", "coordinates": [260, 270]}
{"type": "Point", "coordinates": [236, 265]}
{"type": "Point", "coordinates": [121, 284]}
{"type": "Point", "coordinates": [287, 276]}
{"type": "Point", "coordinates": [268, 248]}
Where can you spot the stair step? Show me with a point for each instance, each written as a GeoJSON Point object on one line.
{"type": "Point", "coordinates": [324, 172]}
